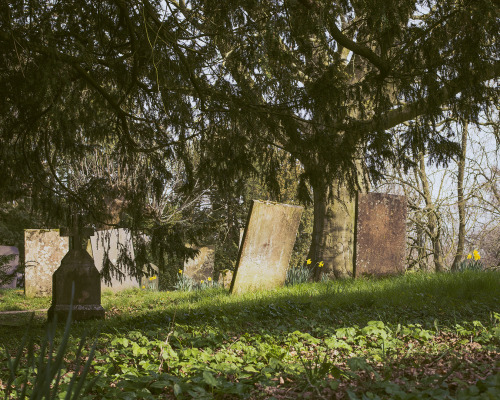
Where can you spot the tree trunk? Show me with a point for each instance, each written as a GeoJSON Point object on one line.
{"type": "Point", "coordinates": [333, 232]}
{"type": "Point", "coordinates": [461, 200]}
{"type": "Point", "coordinates": [433, 225]}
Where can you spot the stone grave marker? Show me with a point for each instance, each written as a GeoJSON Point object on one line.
{"type": "Point", "coordinates": [266, 246]}
{"type": "Point", "coordinates": [10, 267]}
{"type": "Point", "coordinates": [201, 267]}
{"type": "Point", "coordinates": [380, 234]}
{"type": "Point", "coordinates": [225, 278]}
{"type": "Point", "coordinates": [77, 272]}
{"type": "Point", "coordinates": [151, 282]}
{"type": "Point", "coordinates": [114, 244]}
{"type": "Point", "coordinates": [43, 251]}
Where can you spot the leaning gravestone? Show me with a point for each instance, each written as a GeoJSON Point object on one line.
{"type": "Point", "coordinates": [380, 234]}
{"type": "Point", "coordinates": [201, 267]}
{"type": "Point", "coordinates": [76, 283]}
{"type": "Point", "coordinates": [43, 251]}
{"type": "Point", "coordinates": [10, 267]}
{"type": "Point", "coordinates": [266, 246]}
{"type": "Point", "coordinates": [116, 246]}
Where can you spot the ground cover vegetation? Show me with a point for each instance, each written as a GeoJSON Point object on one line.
{"type": "Point", "coordinates": [418, 336]}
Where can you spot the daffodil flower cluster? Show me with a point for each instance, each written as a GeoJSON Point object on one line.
{"type": "Point", "coordinates": [151, 279]}
{"type": "Point", "coordinates": [320, 264]}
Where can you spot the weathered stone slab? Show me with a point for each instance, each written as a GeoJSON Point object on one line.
{"type": "Point", "coordinates": [151, 282]}
{"type": "Point", "coordinates": [380, 234]}
{"type": "Point", "coordinates": [225, 278]}
{"type": "Point", "coordinates": [266, 247]}
{"type": "Point", "coordinates": [10, 267]}
{"type": "Point", "coordinates": [201, 267]}
{"type": "Point", "coordinates": [43, 251]}
{"type": "Point", "coordinates": [115, 245]}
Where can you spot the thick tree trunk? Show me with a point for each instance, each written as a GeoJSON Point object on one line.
{"type": "Point", "coordinates": [333, 232]}
{"type": "Point", "coordinates": [461, 200]}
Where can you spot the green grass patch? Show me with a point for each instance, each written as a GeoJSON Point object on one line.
{"type": "Point", "coordinates": [432, 336]}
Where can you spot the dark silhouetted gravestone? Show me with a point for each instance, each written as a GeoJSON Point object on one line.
{"type": "Point", "coordinates": [380, 234]}
{"type": "Point", "coordinates": [77, 267]}
{"type": "Point", "coordinates": [266, 247]}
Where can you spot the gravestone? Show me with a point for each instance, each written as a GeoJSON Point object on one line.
{"type": "Point", "coordinates": [43, 251]}
{"type": "Point", "coordinates": [266, 247]}
{"type": "Point", "coordinates": [10, 267]}
{"type": "Point", "coordinates": [77, 272]}
{"type": "Point", "coordinates": [225, 278]}
{"type": "Point", "coordinates": [201, 267]}
{"type": "Point", "coordinates": [380, 234]}
{"type": "Point", "coordinates": [151, 282]}
{"type": "Point", "coordinates": [116, 245]}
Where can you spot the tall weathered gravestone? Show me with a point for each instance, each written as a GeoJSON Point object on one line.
{"type": "Point", "coordinates": [266, 246]}
{"type": "Point", "coordinates": [380, 234]}
{"type": "Point", "coordinates": [43, 251]}
{"type": "Point", "coordinates": [201, 267]}
{"type": "Point", "coordinates": [9, 269]}
{"type": "Point", "coordinates": [77, 270]}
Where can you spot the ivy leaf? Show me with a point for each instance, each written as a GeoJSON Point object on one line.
{"type": "Point", "coordinates": [177, 389]}
{"type": "Point", "coordinates": [209, 379]}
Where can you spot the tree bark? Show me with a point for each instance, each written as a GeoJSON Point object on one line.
{"type": "Point", "coordinates": [433, 225]}
{"type": "Point", "coordinates": [461, 200]}
{"type": "Point", "coordinates": [333, 231]}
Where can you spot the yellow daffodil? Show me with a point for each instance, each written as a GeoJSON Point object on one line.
{"type": "Point", "coordinates": [202, 281]}
{"type": "Point", "coordinates": [180, 271]}
{"type": "Point", "coordinates": [154, 277]}
{"type": "Point", "coordinates": [308, 261]}
{"type": "Point", "coordinates": [476, 255]}
{"type": "Point", "coordinates": [144, 287]}
{"type": "Point", "coordinates": [151, 278]}
{"type": "Point", "coordinates": [469, 256]}
{"type": "Point", "coordinates": [209, 279]}
{"type": "Point", "coordinates": [321, 263]}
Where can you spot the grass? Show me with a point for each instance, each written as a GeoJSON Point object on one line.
{"type": "Point", "coordinates": [421, 335]}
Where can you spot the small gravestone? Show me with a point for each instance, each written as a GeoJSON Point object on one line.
{"type": "Point", "coordinates": [380, 234]}
{"type": "Point", "coordinates": [9, 268]}
{"type": "Point", "coordinates": [151, 282]}
{"type": "Point", "coordinates": [116, 246]}
{"type": "Point", "coordinates": [43, 251]}
{"type": "Point", "coordinates": [225, 278]}
{"type": "Point", "coordinates": [266, 246]}
{"type": "Point", "coordinates": [77, 271]}
{"type": "Point", "coordinates": [201, 267]}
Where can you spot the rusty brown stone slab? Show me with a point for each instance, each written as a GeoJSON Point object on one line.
{"type": "Point", "coordinates": [44, 249]}
{"type": "Point", "coordinates": [266, 246]}
{"type": "Point", "coordinates": [380, 234]}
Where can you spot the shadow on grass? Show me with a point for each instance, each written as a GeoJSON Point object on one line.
{"type": "Point", "coordinates": [427, 299]}
{"type": "Point", "coordinates": [319, 308]}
